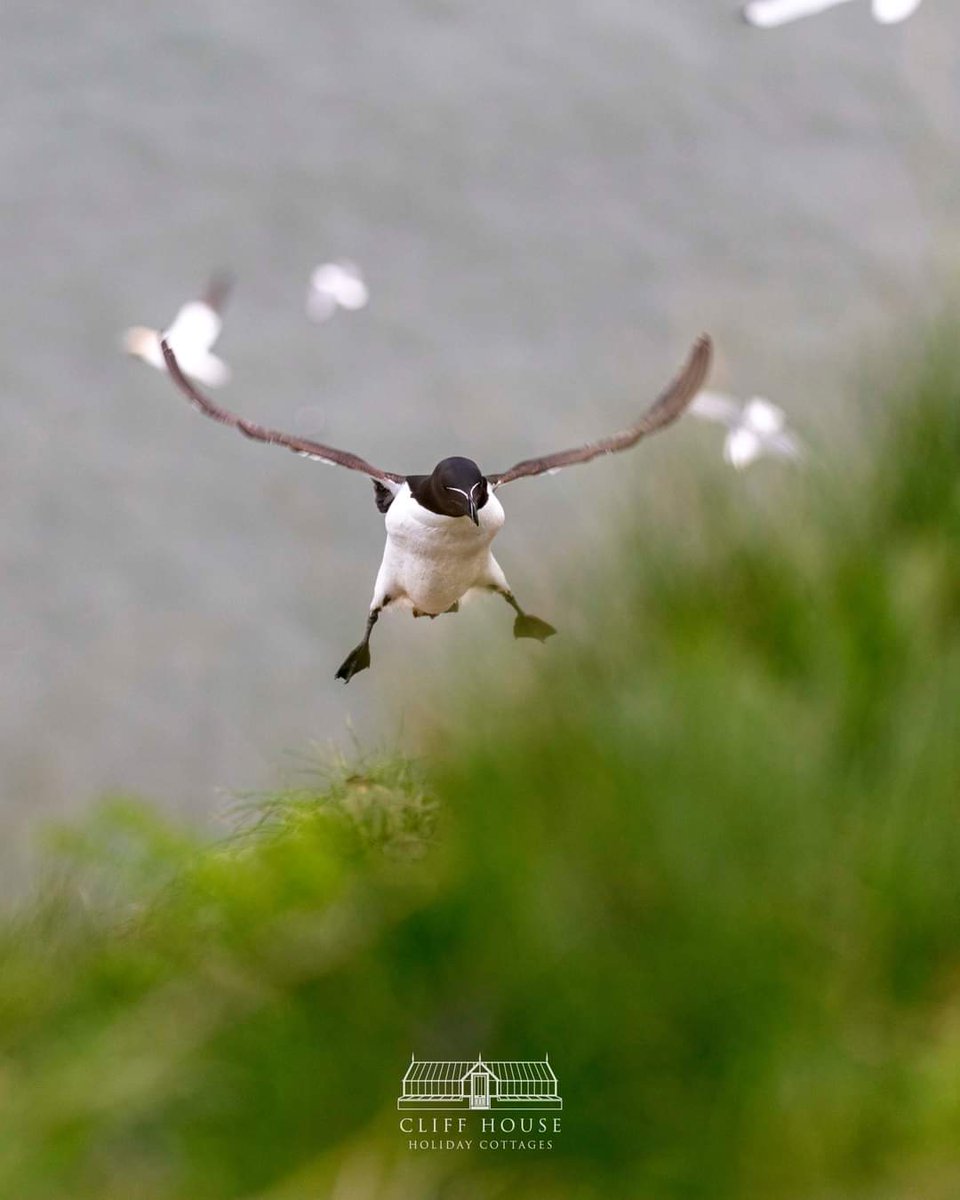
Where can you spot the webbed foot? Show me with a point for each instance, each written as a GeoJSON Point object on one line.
{"type": "Point", "coordinates": [526, 626]}
{"type": "Point", "coordinates": [356, 661]}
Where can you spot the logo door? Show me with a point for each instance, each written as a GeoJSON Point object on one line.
{"type": "Point", "coordinates": [479, 1090]}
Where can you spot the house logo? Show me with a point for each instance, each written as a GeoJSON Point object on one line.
{"type": "Point", "coordinates": [480, 1085]}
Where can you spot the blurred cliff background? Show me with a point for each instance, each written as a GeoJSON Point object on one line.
{"type": "Point", "coordinates": [705, 858]}
{"type": "Point", "coordinates": [549, 203]}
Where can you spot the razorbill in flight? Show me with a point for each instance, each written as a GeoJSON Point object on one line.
{"type": "Point", "coordinates": [192, 335]}
{"type": "Point", "coordinates": [440, 526]}
{"type": "Point", "coordinates": [767, 14]}
{"type": "Point", "coordinates": [754, 429]}
{"type": "Point", "coordinates": [336, 285]}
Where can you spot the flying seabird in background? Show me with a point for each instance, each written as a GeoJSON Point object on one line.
{"type": "Point", "coordinates": [754, 429]}
{"type": "Point", "coordinates": [440, 526]}
{"type": "Point", "coordinates": [889, 12]}
{"type": "Point", "coordinates": [767, 14]}
{"type": "Point", "coordinates": [336, 285]}
{"type": "Point", "coordinates": [192, 335]}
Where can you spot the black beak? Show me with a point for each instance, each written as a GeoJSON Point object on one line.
{"type": "Point", "coordinates": [473, 511]}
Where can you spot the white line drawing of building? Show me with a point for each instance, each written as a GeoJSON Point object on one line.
{"type": "Point", "coordinates": [430, 1084]}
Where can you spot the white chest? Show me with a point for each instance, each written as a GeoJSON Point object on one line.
{"type": "Point", "coordinates": [432, 560]}
{"type": "Point", "coordinates": [419, 531]}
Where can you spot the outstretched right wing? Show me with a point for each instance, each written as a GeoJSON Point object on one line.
{"type": "Point", "coordinates": [665, 409]}
{"type": "Point", "coordinates": [259, 433]}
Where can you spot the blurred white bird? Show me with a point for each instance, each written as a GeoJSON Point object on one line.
{"type": "Point", "coordinates": [336, 285]}
{"type": "Point", "coordinates": [766, 14]}
{"type": "Point", "coordinates": [192, 334]}
{"type": "Point", "coordinates": [755, 429]}
{"type": "Point", "coordinates": [889, 12]}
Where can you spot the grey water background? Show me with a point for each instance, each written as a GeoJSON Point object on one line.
{"type": "Point", "coordinates": [549, 200]}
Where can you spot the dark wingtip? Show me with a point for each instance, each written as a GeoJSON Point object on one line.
{"type": "Point", "coordinates": [681, 392]}
{"type": "Point", "coordinates": [702, 356]}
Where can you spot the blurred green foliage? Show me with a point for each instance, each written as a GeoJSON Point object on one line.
{"type": "Point", "coordinates": [706, 856]}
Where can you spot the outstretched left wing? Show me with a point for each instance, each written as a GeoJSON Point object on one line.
{"type": "Point", "coordinates": [665, 409]}
{"type": "Point", "coordinates": [259, 433]}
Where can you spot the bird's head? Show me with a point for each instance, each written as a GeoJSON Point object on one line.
{"type": "Point", "coordinates": [458, 489]}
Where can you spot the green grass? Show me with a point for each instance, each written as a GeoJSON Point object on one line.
{"type": "Point", "coordinates": [707, 856]}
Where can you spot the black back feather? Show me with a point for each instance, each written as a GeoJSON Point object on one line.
{"type": "Point", "coordinates": [382, 495]}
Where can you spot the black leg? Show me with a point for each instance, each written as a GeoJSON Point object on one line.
{"type": "Point", "coordinates": [525, 626]}
{"type": "Point", "coordinates": [359, 657]}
